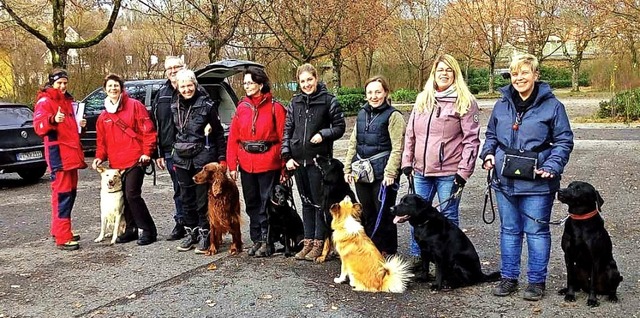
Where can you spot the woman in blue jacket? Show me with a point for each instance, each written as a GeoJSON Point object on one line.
{"type": "Point", "coordinates": [528, 131]}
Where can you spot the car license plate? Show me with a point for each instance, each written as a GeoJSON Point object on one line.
{"type": "Point", "coordinates": [23, 156]}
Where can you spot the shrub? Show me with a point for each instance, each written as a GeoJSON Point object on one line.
{"type": "Point", "coordinates": [625, 105]}
{"type": "Point", "coordinates": [350, 91]}
{"type": "Point", "coordinates": [404, 95]}
{"type": "Point", "coordinates": [351, 103]}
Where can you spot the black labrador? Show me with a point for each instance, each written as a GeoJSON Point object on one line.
{"type": "Point", "coordinates": [443, 243]}
{"type": "Point", "coordinates": [587, 246]}
{"type": "Point", "coordinates": [285, 225]}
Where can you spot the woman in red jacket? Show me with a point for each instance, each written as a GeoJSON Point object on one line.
{"type": "Point", "coordinates": [126, 137]}
{"type": "Point", "coordinates": [255, 139]}
{"type": "Point", "coordinates": [53, 119]}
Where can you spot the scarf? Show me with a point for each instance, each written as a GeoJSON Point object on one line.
{"type": "Point", "coordinates": [450, 92]}
{"type": "Point", "coordinates": [110, 107]}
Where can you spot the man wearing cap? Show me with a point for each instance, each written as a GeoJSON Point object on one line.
{"type": "Point", "coordinates": [54, 121]}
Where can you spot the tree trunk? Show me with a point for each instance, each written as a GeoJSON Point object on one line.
{"type": "Point", "coordinates": [59, 57]}
{"type": "Point", "coordinates": [336, 61]}
{"type": "Point", "coordinates": [492, 67]}
{"type": "Point", "coordinates": [575, 75]}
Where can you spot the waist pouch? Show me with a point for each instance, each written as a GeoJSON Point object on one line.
{"type": "Point", "coordinates": [362, 170]}
{"type": "Point", "coordinates": [187, 150]}
{"type": "Point", "coordinates": [520, 164]}
{"type": "Point", "coordinates": [259, 146]}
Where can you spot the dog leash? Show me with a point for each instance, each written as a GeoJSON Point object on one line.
{"type": "Point", "coordinates": [488, 198]}
{"type": "Point", "coordinates": [382, 197]}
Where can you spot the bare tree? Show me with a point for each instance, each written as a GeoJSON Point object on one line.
{"type": "Point", "coordinates": [212, 23]}
{"type": "Point", "coordinates": [535, 22]}
{"type": "Point", "coordinates": [56, 42]}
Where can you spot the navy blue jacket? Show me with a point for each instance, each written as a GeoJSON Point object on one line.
{"type": "Point", "coordinates": [546, 121]}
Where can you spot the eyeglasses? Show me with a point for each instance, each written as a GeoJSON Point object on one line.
{"type": "Point", "coordinates": [249, 83]}
{"type": "Point", "coordinates": [175, 67]}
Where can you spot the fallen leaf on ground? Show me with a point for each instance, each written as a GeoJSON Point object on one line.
{"type": "Point", "coordinates": [309, 305]}
{"type": "Point", "coordinates": [132, 296]}
{"type": "Point", "coordinates": [266, 296]}
{"type": "Point", "coordinates": [212, 267]}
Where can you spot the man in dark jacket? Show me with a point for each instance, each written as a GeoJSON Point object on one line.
{"type": "Point", "coordinates": [162, 117]}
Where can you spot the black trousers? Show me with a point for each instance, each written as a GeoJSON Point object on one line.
{"type": "Point", "coordinates": [136, 212]}
{"type": "Point", "coordinates": [309, 183]}
{"type": "Point", "coordinates": [257, 189]}
{"type": "Point", "coordinates": [386, 236]}
{"type": "Point", "coordinates": [194, 199]}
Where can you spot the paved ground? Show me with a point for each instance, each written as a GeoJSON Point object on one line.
{"type": "Point", "coordinates": [36, 280]}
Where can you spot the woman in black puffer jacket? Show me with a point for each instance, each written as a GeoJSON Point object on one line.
{"type": "Point", "coordinates": [314, 120]}
{"type": "Point", "coordinates": [193, 149]}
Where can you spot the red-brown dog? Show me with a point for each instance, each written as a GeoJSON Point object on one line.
{"type": "Point", "coordinates": [224, 207]}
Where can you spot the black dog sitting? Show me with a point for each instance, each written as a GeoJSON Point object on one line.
{"type": "Point", "coordinates": [285, 225]}
{"type": "Point", "coordinates": [334, 190]}
{"type": "Point", "coordinates": [587, 246]}
{"type": "Point", "coordinates": [443, 243]}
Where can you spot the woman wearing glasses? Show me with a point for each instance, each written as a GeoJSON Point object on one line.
{"type": "Point", "coordinates": [442, 138]}
{"type": "Point", "coordinates": [255, 140]}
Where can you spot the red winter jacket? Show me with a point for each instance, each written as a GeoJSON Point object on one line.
{"type": "Point", "coordinates": [62, 147]}
{"type": "Point", "coordinates": [268, 126]}
{"type": "Point", "coordinates": [114, 144]}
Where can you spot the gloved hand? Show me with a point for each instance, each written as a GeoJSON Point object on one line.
{"type": "Point", "coordinates": [460, 181]}
{"type": "Point", "coordinates": [407, 171]}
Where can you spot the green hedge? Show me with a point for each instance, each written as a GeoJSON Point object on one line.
{"type": "Point", "coordinates": [351, 103]}
{"type": "Point", "coordinates": [625, 105]}
{"type": "Point", "coordinates": [404, 96]}
{"type": "Point", "coordinates": [350, 91]}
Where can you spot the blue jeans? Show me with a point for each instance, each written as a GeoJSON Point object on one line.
{"type": "Point", "coordinates": [427, 187]}
{"type": "Point", "coordinates": [179, 214]}
{"type": "Point", "coordinates": [514, 225]}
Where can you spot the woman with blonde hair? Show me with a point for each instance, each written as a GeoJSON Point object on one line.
{"type": "Point", "coordinates": [442, 138]}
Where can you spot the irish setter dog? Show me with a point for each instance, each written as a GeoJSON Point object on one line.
{"type": "Point", "coordinates": [224, 207]}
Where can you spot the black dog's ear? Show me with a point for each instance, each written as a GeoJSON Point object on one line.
{"type": "Point", "coordinates": [599, 199]}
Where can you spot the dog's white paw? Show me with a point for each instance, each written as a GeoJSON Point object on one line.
{"type": "Point", "coordinates": [99, 239]}
{"type": "Point", "coordinates": [340, 279]}
{"type": "Point", "coordinates": [113, 241]}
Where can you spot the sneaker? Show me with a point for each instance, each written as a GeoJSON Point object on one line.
{"type": "Point", "coordinates": [177, 233]}
{"type": "Point", "coordinates": [265, 250]}
{"type": "Point", "coordinates": [147, 238]}
{"type": "Point", "coordinates": [254, 248]}
{"type": "Point", "coordinates": [75, 237]}
{"type": "Point", "coordinates": [190, 240]}
{"type": "Point", "coordinates": [69, 246]}
{"type": "Point", "coordinates": [203, 241]}
{"type": "Point", "coordinates": [534, 291]}
{"type": "Point", "coordinates": [506, 287]}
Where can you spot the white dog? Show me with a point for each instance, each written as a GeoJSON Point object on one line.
{"type": "Point", "coordinates": [111, 204]}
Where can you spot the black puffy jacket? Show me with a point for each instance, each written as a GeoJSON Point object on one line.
{"type": "Point", "coordinates": [308, 115]}
{"type": "Point", "coordinates": [201, 111]}
{"type": "Point", "coordinates": [163, 118]}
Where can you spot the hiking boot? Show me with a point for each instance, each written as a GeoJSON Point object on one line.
{"type": "Point", "coordinates": [254, 248]}
{"type": "Point", "coordinates": [203, 241]}
{"type": "Point", "coordinates": [534, 291]}
{"type": "Point", "coordinates": [69, 246]}
{"type": "Point", "coordinates": [308, 245]}
{"type": "Point", "coordinates": [316, 250]}
{"type": "Point", "coordinates": [506, 287]}
{"type": "Point", "coordinates": [75, 237]}
{"type": "Point", "coordinates": [266, 248]}
{"type": "Point", "coordinates": [177, 233]}
{"type": "Point", "coordinates": [130, 234]}
{"type": "Point", "coordinates": [147, 238]}
{"type": "Point", "coordinates": [190, 239]}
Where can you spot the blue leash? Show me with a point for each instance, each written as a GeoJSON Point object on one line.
{"type": "Point", "coordinates": [382, 197]}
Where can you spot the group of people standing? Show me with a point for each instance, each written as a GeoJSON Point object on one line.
{"type": "Point", "coordinates": [437, 148]}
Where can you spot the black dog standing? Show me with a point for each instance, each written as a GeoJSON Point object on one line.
{"type": "Point", "coordinates": [587, 246]}
{"type": "Point", "coordinates": [285, 225]}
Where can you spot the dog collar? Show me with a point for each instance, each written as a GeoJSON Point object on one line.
{"type": "Point", "coordinates": [583, 216]}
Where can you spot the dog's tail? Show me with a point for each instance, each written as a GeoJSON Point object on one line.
{"type": "Point", "coordinates": [493, 277]}
{"type": "Point", "coordinates": [397, 276]}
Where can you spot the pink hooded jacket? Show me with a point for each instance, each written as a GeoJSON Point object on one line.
{"type": "Point", "coordinates": [441, 142]}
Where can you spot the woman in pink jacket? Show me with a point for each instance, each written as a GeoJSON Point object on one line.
{"type": "Point", "coordinates": [53, 119]}
{"type": "Point", "coordinates": [126, 136]}
{"type": "Point", "coordinates": [442, 138]}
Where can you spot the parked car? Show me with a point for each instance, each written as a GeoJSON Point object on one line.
{"type": "Point", "coordinates": [21, 150]}
{"type": "Point", "coordinates": [211, 77]}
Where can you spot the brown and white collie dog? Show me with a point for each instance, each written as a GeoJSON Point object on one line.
{"type": "Point", "coordinates": [362, 263]}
